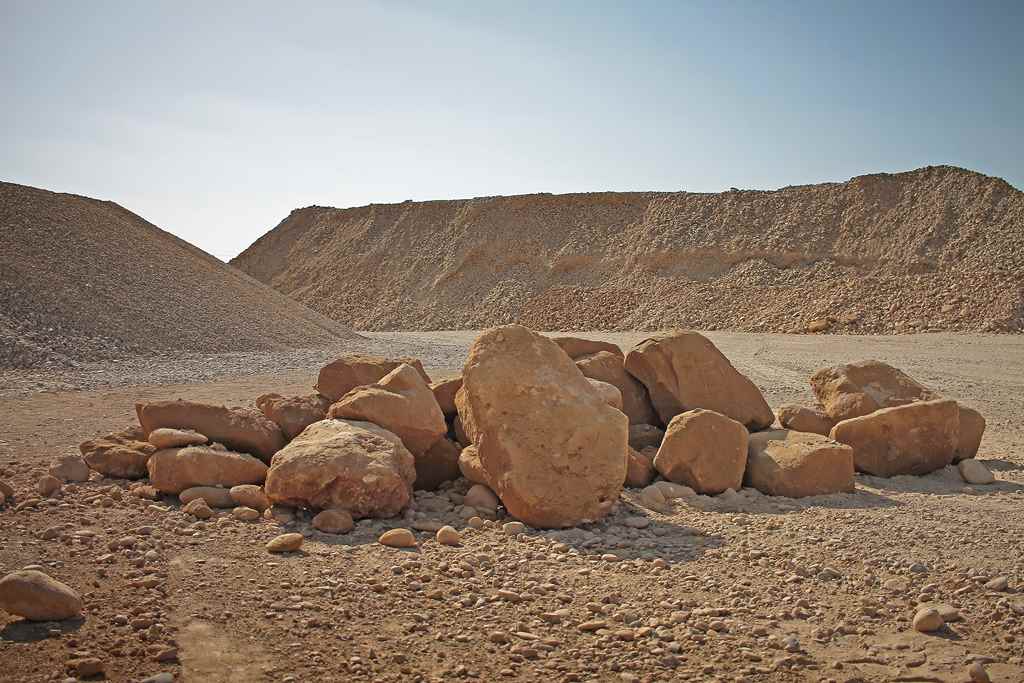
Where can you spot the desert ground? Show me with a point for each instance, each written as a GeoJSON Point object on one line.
{"type": "Point", "coordinates": [738, 587]}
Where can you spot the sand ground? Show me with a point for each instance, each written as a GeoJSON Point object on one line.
{"type": "Point", "coordinates": [756, 588]}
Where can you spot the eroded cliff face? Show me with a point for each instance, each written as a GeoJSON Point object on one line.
{"type": "Point", "coordinates": [939, 248]}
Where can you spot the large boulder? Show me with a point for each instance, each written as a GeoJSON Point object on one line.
{"type": "Point", "coordinates": [241, 429]}
{"type": "Point", "coordinates": [803, 419]}
{"type": "Point", "coordinates": [402, 403]}
{"type": "Point", "coordinates": [609, 367]}
{"type": "Point", "coordinates": [856, 389]}
{"type": "Point", "coordinates": [122, 455]}
{"type": "Point", "coordinates": [704, 450]}
{"type": "Point", "coordinates": [439, 464]}
{"type": "Point", "coordinates": [683, 371]}
{"type": "Point", "coordinates": [341, 376]}
{"type": "Point", "coordinates": [444, 392]}
{"type": "Point", "coordinates": [916, 438]}
{"type": "Point", "coordinates": [972, 428]}
{"type": "Point", "coordinates": [352, 465]}
{"type": "Point", "coordinates": [553, 450]}
{"type": "Point", "coordinates": [37, 597]}
{"type": "Point", "coordinates": [172, 470]}
{"type": "Point", "coordinates": [576, 347]}
{"type": "Point", "coordinates": [784, 462]}
{"type": "Point", "coordinates": [294, 413]}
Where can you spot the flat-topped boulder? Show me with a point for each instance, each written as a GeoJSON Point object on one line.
{"type": "Point", "coordinates": [352, 370]}
{"type": "Point", "coordinates": [553, 451]}
{"type": "Point", "coordinates": [347, 464]}
{"type": "Point", "coordinates": [245, 430]}
{"type": "Point", "coordinates": [172, 470]}
{"type": "Point", "coordinates": [916, 438]}
{"type": "Point", "coordinates": [683, 371]}
{"type": "Point", "coordinates": [795, 464]}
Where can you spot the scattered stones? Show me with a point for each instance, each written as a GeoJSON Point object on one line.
{"type": "Point", "coordinates": [928, 620]}
{"type": "Point", "coordinates": [37, 597]}
{"type": "Point", "coordinates": [167, 437]}
{"type": "Point", "coordinates": [797, 464]}
{"type": "Point", "coordinates": [704, 450]}
{"type": "Point", "coordinates": [333, 521]}
{"type": "Point", "coordinates": [447, 535]}
{"type": "Point", "coordinates": [285, 543]}
{"type": "Point", "coordinates": [243, 429]}
{"type": "Point", "coordinates": [974, 472]}
{"type": "Point", "coordinates": [70, 468]}
{"type": "Point", "coordinates": [398, 538]}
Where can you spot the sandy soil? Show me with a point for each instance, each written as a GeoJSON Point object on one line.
{"type": "Point", "coordinates": [756, 588]}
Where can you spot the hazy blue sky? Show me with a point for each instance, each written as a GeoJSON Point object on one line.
{"type": "Point", "coordinates": [214, 120]}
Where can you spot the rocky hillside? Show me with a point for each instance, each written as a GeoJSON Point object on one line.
{"type": "Point", "coordinates": [938, 248]}
{"type": "Point", "coordinates": [83, 279]}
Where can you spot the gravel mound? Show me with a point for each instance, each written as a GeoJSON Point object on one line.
{"type": "Point", "coordinates": [85, 280]}
{"type": "Point", "coordinates": [935, 249]}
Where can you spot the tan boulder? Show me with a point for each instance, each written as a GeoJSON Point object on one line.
{"type": "Point", "coordinates": [643, 436]}
{"type": "Point", "coordinates": [242, 429]}
{"type": "Point", "coordinates": [294, 413]}
{"type": "Point", "coordinates": [355, 466]}
{"type": "Point", "coordinates": [70, 468]}
{"type": "Point", "coordinates": [856, 389]}
{"type": "Point", "coordinates": [168, 437]}
{"type": "Point", "coordinates": [398, 538]}
{"type": "Point", "coordinates": [215, 496]}
{"type": "Point", "coordinates": [439, 464]}
{"type": "Point", "coordinates": [465, 428]}
{"type": "Point", "coordinates": [444, 392]}
{"type": "Point", "coordinates": [471, 467]}
{"type": "Point", "coordinates": [795, 464]}
{"type": "Point", "coordinates": [172, 470]}
{"type": "Point", "coordinates": [609, 393]}
{"type": "Point", "coordinates": [704, 450]}
{"type": "Point", "coordinates": [341, 376]}
{"type": "Point", "coordinates": [575, 347]}
{"type": "Point", "coordinates": [916, 438]}
{"type": "Point", "coordinates": [683, 371]}
{"type": "Point", "coordinates": [251, 496]}
{"type": "Point", "coordinates": [972, 428]}
{"type": "Point", "coordinates": [37, 597]}
{"type": "Point", "coordinates": [402, 403]}
{"type": "Point", "coordinates": [122, 455]}
{"type": "Point", "coordinates": [552, 449]}
{"type": "Point", "coordinates": [609, 367]}
{"type": "Point", "coordinates": [803, 419]}
{"type": "Point", "coordinates": [639, 468]}
{"type": "Point", "coordinates": [333, 521]}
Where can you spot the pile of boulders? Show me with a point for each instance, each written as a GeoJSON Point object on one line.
{"type": "Point", "coordinates": [546, 430]}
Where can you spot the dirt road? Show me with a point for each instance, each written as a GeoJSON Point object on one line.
{"type": "Point", "coordinates": [756, 588]}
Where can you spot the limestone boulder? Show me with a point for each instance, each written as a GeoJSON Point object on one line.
{"type": "Point", "coordinates": [167, 437]}
{"type": "Point", "coordinates": [609, 393]}
{"type": "Point", "coordinates": [577, 347]}
{"type": "Point", "coordinates": [552, 449]}
{"type": "Point", "coordinates": [795, 464]}
{"type": "Point", "coordinates": [471, 467]}
{"type": "Point", "coordinates": [916, 438]}
{"type": "Point", "coordinates": [37, 597]}
{"type": "Point", "coordinates": [704, 450]}
{"type": "Point", "coordinates": [803, 419]}
{"type": "Point", "coordinates": [341, 376]}
{"type": "Point", "coordinates": [294, 413]}
{"type": "Point", "coordinates": [857, 389]}
{"type": "Point", "coordinates": [122, 455]}
{"type": "Point", "coordinates": [348, 464]}
{"type": "Point", "coordinates": [972, 428]}
{"type": "Point", "coordinates": [444, 393]}
{"type": "Point", "coordinates": [402, 403]}
{"type": "Point", "coordinates": [439, 464]}
{"type": "Point", "coordinates": [639, 467]}
{"type": "Point", "coordinates": [241, 429]}
{"type": "Point", "coordinates": [643, 436]}
{"type": "Point", "coordinates": [172, 470]}
{"type": "Point", "coordinates": [609, 367]}
{"type": "Point", "coordinates": [683, 371]}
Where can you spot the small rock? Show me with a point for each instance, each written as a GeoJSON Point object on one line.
{"type": "Point", "coordinates": [244, 514]}
{"type": "Point", "coordinates": [974, 472]}
{"type": "Point", "coordinates": [476, 522]}
{"type": "Point", "coordinates": [167, 437]}
{"type": "Point", "coordinates": [513, 528]}
{"type": "Point", "coordinates": [398, 538]}
{"type": "Point", "coordinates": [481, 498]}
{"type": "Point", "coordinates": [447, 535]}
{"type": "Point", "coordinates": [928, 620]}
{"type": "Point", "coordinates": [333, 521]}
{"type": "Point", "coordinates": [636, 522]}
{"type": "Point", "coordinates": [999, 583]}
{"type": "Point", "coordinates": [285, 543]}
{"type": "Point", "coordinates": [37, 597]}
{"type": "Point", "coordinates": [215, 496]}
{"type": "Point", "coordinates": [48, 485]}
{"type": "Point", "coordinates": [251, 496]}
{"type": "Point", "coordinates": [977, 674]}
{"type": "Point", "coordinates": [84, 667]}
{"type": "Point", "coordinates": [70, 468]}
{"type": "Point", "coordinates": [198, 508]}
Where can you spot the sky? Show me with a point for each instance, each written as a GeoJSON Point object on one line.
{"type": "Point", "coordinates": [214, 120]}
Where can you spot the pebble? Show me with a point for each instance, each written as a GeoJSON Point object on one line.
{"type": "Point", "coordinates": [333, 521]}
{"type": "Point", "coordinates": [636, 522]}
{"type": "Point", "coordinates": [198, 508]}
{"type": "Point", "coordinates": [84, 667]}
{"type": "Point", "coordinates": [513, 528]}
{"type": "Point", "coordinates": [398, 538]}
{"type": "Point", "coordinates": [999, 583]}
{"type": "Point", "coordinates": [974, 472]}
{"type": "Point", "coordinates": [48, 485]}
{"type": "Point", "coordinates": [285, 543]}
{"type": "Point", "coordinates": [447, 535]}
{"type": "Point", "coordinates": [245, 514]}
{"type": "Point", "coordinates": [481, 498]}
{"type": "Point", "coordinates": [928, 620]}
{"type": "Point", "coordinates": [476, 522]}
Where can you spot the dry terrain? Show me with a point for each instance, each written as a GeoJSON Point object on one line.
{"type": "Point", "coordinates": [750, 587]}
{"type": "Point", "coordinates": [934, 249]}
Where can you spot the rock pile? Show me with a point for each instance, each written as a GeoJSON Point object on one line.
{"type": "Point", "coordinates": [548, 431]}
